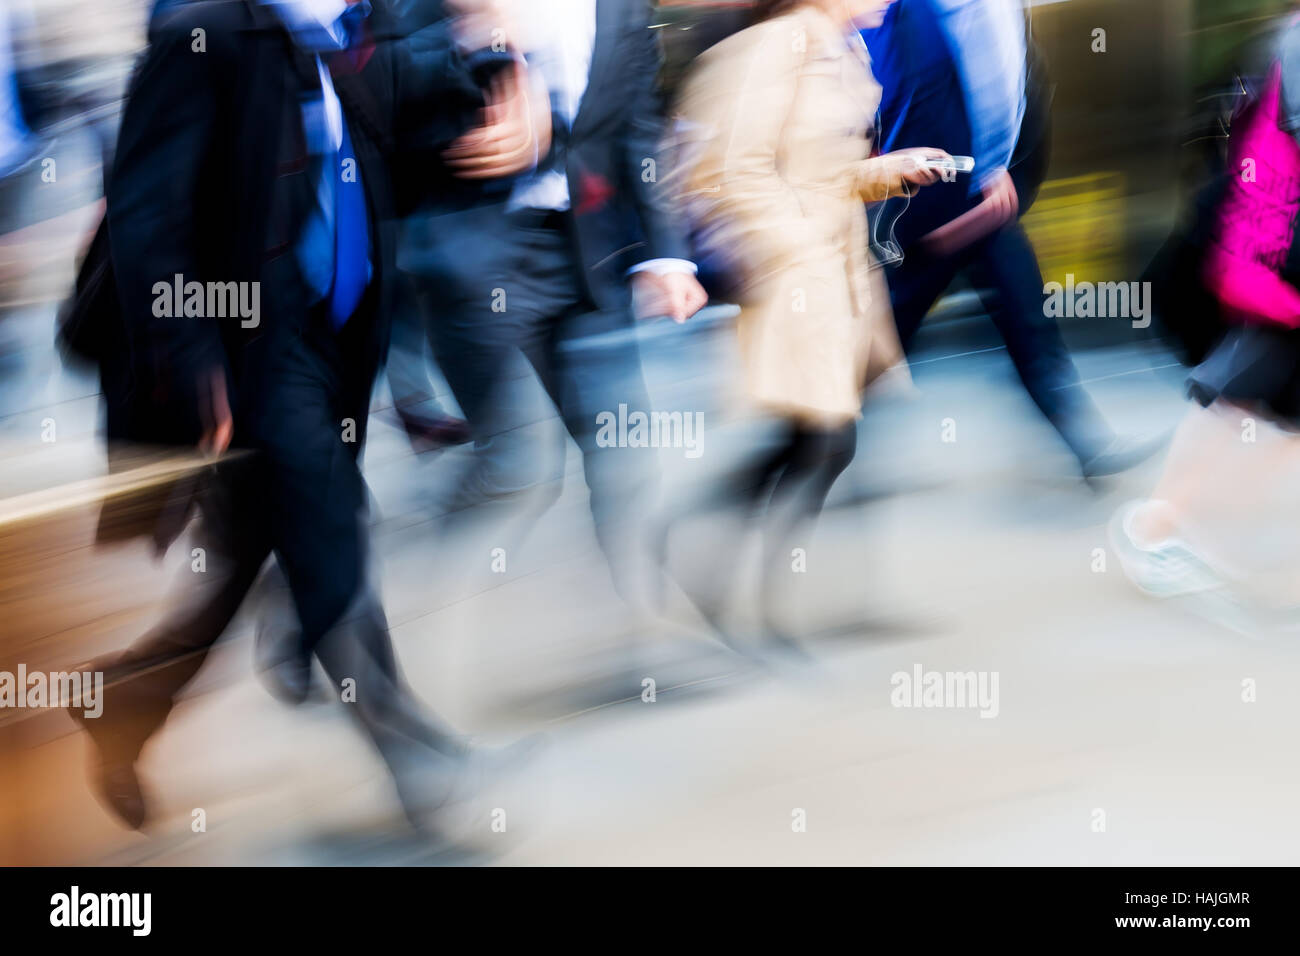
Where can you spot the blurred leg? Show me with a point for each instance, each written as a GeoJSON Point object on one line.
{"type": "Point", "coordinates": [816, 459]}
{"type": "Point", "coordinates": [597, 368]}
{"type": "Point", "coordinates": [357, 654]}
{"type": "Point", "coordinates": [488, 310]}
{"type": "Point", "coordinates": [1213, 478]}
{"type": "Point", "coordinates": [738, 496]}
{"type": "Point", "coordinates": [142, 683]}
{"type": "Point", "coordinates": [309, 435]}
{"type": "Point", "coordinates": [408, 374]}
{"type": "Point", "coordinates": [426, 422]}
{"type": "Point", "coordinates": [318, 504]}
{"type": "Point", "coordinates": [1006, 263]}
{"type": "Point", "coordinates": [914, 287]}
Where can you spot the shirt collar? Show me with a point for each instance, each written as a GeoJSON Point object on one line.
{"type": "Point", "coordinates": [315, 23]}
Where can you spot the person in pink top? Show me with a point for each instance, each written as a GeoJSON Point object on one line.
{"type": "Point", "coordinates": [1257, 219]}
{"type": "Point", "coordinates": [1243, 433]}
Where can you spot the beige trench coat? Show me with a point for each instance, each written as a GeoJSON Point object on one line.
{"type": "Point", "coordinates": [773, 140]}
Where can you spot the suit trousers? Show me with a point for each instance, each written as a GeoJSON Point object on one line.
{"type": "Point", "coordinates": [301, 496]}
{"type": "Point", "coordinates": [512, 286]}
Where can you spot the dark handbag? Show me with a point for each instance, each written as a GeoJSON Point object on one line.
{"type": "Point", "coordinates": [91, 318]}
{"type": "Point", "coordinates": [1180, 302]}
{"type": "Point", "coordinates": [91, 332]}
{"type": "Point", "coordinates": [1032, 155]}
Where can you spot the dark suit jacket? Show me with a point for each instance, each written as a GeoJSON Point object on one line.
{"type": "Point", "coordinates": [615, 200]}
{"type": "Point", "coordinates": [211, 182]}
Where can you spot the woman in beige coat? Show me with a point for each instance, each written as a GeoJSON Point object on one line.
{"type": "Point", "coordinates": [773, 171]}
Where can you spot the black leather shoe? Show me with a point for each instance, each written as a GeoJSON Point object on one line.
{"type": "Point", "coordinates": [114, 780]}
{"type": "Point", "coordinates": [1123, 452]}
{"type": "Point", "coordinates": [288, 677]}
{"type": "Point", "coordinates": [455, 804]}
{"type": "Point", "coordinates": [278, 655]}
{"type": "Point", "coordinates": [118, 788]}
{"type": "Point", "coordinates": [430, 432]}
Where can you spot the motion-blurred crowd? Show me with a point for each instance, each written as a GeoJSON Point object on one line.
{"type": "Point", "coordinates": [300, 195]}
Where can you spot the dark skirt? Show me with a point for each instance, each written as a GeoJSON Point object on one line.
{"type": "Point", "coordinates": [1255, 367]}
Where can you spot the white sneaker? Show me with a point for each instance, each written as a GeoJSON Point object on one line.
{"type": "Point", "coordinates": [1164, 569]}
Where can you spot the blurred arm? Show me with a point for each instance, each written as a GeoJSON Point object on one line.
{"type": "Point", "coordinates": [987, 41]}
{"type": "Point", "coordinates": [439, 87]}
{"type": "Point", "coordinates": [740, 108]}
{"type": "Point", "coordinates": [1249, 287]}
{"type": "Point", "coordinates": [166, 135]}
{"type": "Point", "coordinates": [667, 249]}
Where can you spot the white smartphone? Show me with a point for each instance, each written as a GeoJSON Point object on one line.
{"type": "Point", "coordinates": [961, 164]}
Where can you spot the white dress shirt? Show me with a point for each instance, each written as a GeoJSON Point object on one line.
{"type": "Point", "coordinates": [315, 27]}
{"type": "Point", "coordinates": [559, 37]}
{"type": "Point", "coordinates": [988, 44]}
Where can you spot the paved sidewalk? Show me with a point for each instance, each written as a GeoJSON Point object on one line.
{"type": "Point", "coordinates": [973, 556]}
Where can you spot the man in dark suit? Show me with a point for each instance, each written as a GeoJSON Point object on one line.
{"type": "Point", "coordinates": [253, 157]}
{"type": "Point", "coordinates": [541, 263]}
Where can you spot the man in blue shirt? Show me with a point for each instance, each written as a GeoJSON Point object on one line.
{"type": "Point", "coordinates": [953, 74]}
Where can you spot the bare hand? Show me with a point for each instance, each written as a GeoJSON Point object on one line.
{"type": "Point", "coordinates": [677, 295]}
{"type": "Point", "coordinates": [214, 409]}
{"type": "Point", "coordinates": [912, 165]}
{"type": "Point", "coordinates": [515, 131]}
{"type": "Point", "coordinates": [1000, 205]}
{"type": "Point", "coordinates": [1001, 197]}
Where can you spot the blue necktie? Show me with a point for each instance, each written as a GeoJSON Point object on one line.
{"type": "Point", "coordinates": [351, 229]}
{"type": "Point", "coordinates": [351, 236]}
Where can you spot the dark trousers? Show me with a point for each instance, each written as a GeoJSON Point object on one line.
{"type": "Point", "coordinates": [512, 285]}
{"type": "Point", "coordinates": [1004, 263]}
{"type": "Point", "coordinates": [408, 352]}
{"type": "Point", "coordinates": [782, 487]}
{"type": "Point", "coordinates": [792, 478]}
{"type": "Point", "coordinates": [299, 495]}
